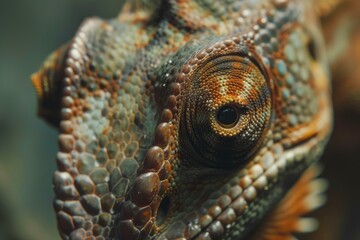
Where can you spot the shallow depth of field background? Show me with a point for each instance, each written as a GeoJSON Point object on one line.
{"type": "Point", "coordinates": [30, 30]}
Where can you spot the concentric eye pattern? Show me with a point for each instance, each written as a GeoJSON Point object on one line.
{"type": "Point", "coordinates": [226, 112]}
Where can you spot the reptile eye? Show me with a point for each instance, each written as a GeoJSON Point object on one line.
{"type": "Point", "coordinates": [226, 112]}
{"type": "Point", "coordinates": [228, 116]}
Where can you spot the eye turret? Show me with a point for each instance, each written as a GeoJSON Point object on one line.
{"type": "Point", "coordinates": [226, 112]}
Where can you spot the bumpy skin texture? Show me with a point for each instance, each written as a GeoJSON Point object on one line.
{"type": "Point", "coordinates": [147, 149]}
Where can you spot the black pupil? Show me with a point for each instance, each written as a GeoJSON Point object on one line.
{"type": "Point", "coordinates": [227, 116]}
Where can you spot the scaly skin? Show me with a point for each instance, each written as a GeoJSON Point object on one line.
{"type": "Point", "coordinates": [185, 119]}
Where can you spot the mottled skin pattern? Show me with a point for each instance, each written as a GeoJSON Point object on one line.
{"type": "Point", "coordinates": [184, 119]}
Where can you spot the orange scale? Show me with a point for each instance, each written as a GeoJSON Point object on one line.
{"type": "Point", "coordinates": [145, 188]}
{"type": "Point", "coordinates": [162, 135]}
{"type": "Point", "coordinates": [166, 115]}
{"type": "Point", "coordinates": [154, 158]}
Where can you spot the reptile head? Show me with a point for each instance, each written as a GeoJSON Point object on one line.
{"type": "Point", "coordinates": [185, 121]}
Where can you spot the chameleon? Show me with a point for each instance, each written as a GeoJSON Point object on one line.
{"type": "Point", "coordinates": [189, 119]}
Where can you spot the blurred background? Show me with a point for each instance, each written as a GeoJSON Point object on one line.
{"type": "Point", "coordinates": [30, 30]}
